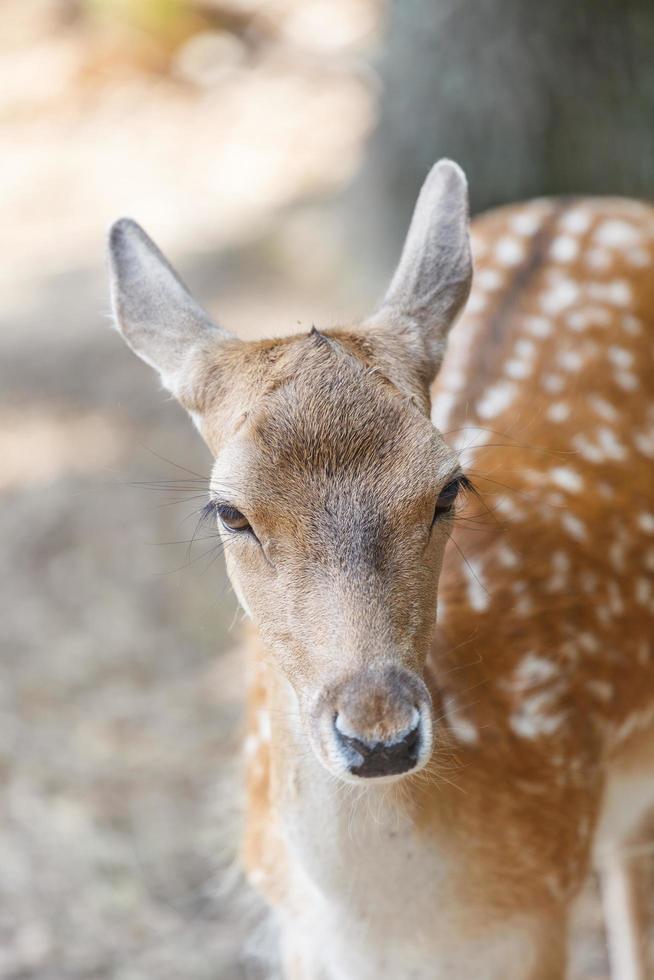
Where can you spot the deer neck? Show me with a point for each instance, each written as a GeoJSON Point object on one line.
{"type": "Point", "coordinates": [348, 840]}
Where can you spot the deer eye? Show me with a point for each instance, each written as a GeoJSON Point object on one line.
{"type": "Point", "coordinates": [232, 518]}
{"type": "Point", "coordinates": [447, 497]}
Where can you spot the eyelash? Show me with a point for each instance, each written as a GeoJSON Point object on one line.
{"type": "Point", "coordinates": [209, 510]}
{"type": "Point", "coordinates": [458, 484]}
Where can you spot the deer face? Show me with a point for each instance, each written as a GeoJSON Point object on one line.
{"type": "Point", "coordinates": [332, 490]}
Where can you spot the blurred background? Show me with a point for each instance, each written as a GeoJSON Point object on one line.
{"type": "Point", "coordinates": [273, 148]}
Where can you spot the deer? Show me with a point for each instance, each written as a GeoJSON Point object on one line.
{"type": "Point", "coordinates": [447, 561]}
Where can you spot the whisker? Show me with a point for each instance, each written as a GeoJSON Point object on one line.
{"type": "Point", "coordinates": [171, 462]}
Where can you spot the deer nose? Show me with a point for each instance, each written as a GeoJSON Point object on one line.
{"type": "Point", "coordinates": [389, 757]}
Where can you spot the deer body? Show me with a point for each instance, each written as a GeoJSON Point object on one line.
{"type": "Point", "coordinates": [426, 791]}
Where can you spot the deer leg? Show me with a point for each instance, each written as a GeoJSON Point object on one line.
{"type": "Point", "coordinates": [623, 915]}
{"type": "Point", "coordinates": [551, 963]}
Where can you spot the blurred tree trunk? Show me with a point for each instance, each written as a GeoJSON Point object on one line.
{"type": "Point", "coordinates": [532, 97]}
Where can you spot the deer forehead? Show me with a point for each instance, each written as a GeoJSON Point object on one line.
{"type": "Point", "coordinates": [328, 430]}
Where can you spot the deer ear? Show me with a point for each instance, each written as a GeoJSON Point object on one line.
{"type": "Point", "coordinates": [154, 310]}
{"type": "Point", "coordinates": [432, 281]}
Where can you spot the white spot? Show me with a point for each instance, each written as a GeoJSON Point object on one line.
{"type": "Point", "coordinates": [478, 596]}
{"type": "Point", "coordinates": [476, 303]}
{"type": "Point", "coordinates": [601, 690]}
{"type": "Point", "coordinates": [588, 582]}
{"type": "Point", "coordinates": [488, 279]}
{"type": "Point", "coordinates": [588, 642]}
{"type": "Point", "coordinates": [575, 528]}
{"type": "Point", "coordinates": [571, 360]}
{"type": "Point", "coordinates": [645, 522]}
{"type": "Point", "coordinates": [578, 321]}
{"type": "Point", "coordinates": [532, 671]}
{"type": "Point", "coordinates": [589, 316]}
{"type": "Point", "coordinates": [558, 581]}
{"type": "Point", "coordinates": [610, 445]}
{"type": "Point", "coordinates": [616, 604]}
{"type": "Point", "coordinates": [561, 562]}
{"type": "Point", "coordinates": [558, 412]}
{"type": "Point", "coordinates": [598, 258]}
{"type": "Point", "coordinates": [507, 556]}
{"type": "Point", "coordinates": [603, 408]}
{"type": "Point", "coordinates": [587, 449]}
{"type": "Point", "coordinates": [525, 348]}
{"type": "Point", "coordinates": [561, 294]}
{"type": "Point", "coordinates": [639, 720]}
{"type": "Point", "coordinates": [618, 292]}
{"type": "Point", "coordinates": [518, 369]}
{"type": "Point", "coordinates": [638, 257]}
{"type": "Point", "coordinates": [462, 728]}
{"type": "Point", "coordinates": [617, 555]}
{"type": "Point", "coordinates": [567, 479]}
{"type": "Point", "coordinates": [631, 325]}
{"type": "Point", "coordinates": [616, 234]}
{"type": "Point", "coordinates": [620, 356]}
{"type": "Point", "coordinates": [605, 490]}
{"type": "Point", "coordinates": [534, 715]}
{"type": "Point", "coordinates": [496, 399]}
{"type": "Point", "coordinates": [603, 613]}
{"type": "Point", "coordinates": [525, 223]}
{"type": "Point", "coordinates": [509, 509]}
{"type": "Point", "coordinates": [468, 439]}
{"type": "Point", "coordinates": [509, 251]}
{"type": "Point", "coordinates": [538, 326]}
{"type": "Point", "coordinates": [564, 248]}
{"type": "Point", "coordinates": [600, 315]}
{"type": "Point", "coordinates": [626, 380]}
{"type": "Point", "coordinates": [648, 560]}
{"type": "Point", "coordinates": [553, 383]}
{"type": "Point", "coordinates": [577, 221]}
{"type": "Point", "coordinates": [644, 442]}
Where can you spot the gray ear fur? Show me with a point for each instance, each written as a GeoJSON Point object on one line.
{"type": "Point", "coordinates": [432, 281]}
{"type": "Point", "coordinates": [154, 310]}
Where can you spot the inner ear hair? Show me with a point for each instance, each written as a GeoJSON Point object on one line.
{"type": "Point", "coordinates": [432, 281]}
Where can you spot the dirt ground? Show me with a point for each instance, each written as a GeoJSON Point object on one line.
{"type": "Point", "coordinates": [121, 695]}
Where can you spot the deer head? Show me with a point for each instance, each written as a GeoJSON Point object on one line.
{"type": "Point", "coordinates": [333, 491]}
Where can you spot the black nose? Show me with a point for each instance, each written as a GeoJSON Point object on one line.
{"type": "Point", "coordinates": [369, 759]}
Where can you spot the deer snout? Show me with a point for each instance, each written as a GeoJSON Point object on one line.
{"type": "Point", "coordinates": [377, 723]}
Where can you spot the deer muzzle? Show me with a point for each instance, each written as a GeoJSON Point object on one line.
{"type": "Point", "coordinates": [375, 724]}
